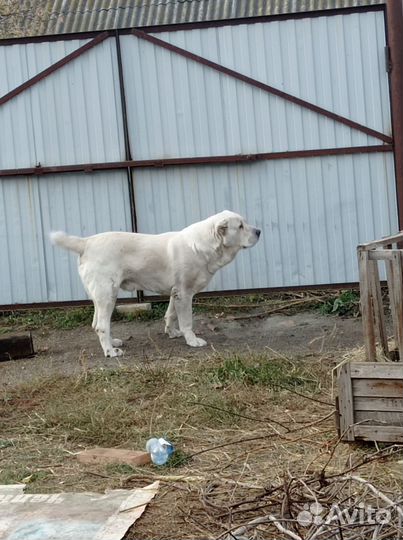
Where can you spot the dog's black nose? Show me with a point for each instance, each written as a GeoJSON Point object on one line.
{"type": "Point", "coordinates": [258, 231]}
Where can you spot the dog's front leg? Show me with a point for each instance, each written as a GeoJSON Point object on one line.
{"type": "Point", "coordinates": [171, 320]}
{"type": "Point", "coordinates": [183, 307]}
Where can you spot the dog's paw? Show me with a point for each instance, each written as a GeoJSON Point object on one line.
{"type": "Point", "coordinates": [117, 342]}
{"type": "Point", "coordinates": [112, 353]}
{"type": "Point", "coordinates": [196, 342]}
{"type": "Point", "coordinates": [173, 332]}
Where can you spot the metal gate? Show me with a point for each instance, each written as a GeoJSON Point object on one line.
{"type": "Point", "coordinates": [285, 121]}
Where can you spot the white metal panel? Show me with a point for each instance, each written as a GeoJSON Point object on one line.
{"type": "Point", "coordinates": [32, 270]}
{"type": "Point", "coordinates": [312, 213]}
{"type": "Point", "coordinates": [20, 62]}
{"type": "Point", "coordinates": [336, 62]}
{"type": "Point", "coordinates": [178, 107]}
{"type": "Point", "coordinates": [71, 116]}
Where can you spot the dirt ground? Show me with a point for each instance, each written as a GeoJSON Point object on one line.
{"type": "Point", "coordinates": [251, 416]}
{"type": "Point", "coordinates": [299, 335]}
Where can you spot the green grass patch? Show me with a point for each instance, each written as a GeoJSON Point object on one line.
{"type": "Point", "coordinates": [58, 319]}
{"type": "Point", "coordinates": [274, 373]}
{"type": "Point", "coordinates": [127, 406]}
{"type": "Point", "coordinates": [21, 474]}
{"type": "Point", "coordinates": [121, 469]}
{"type": "Point", "coordinates": [346, 304]}
{"type": "Point", "coordinates": [178, 459]}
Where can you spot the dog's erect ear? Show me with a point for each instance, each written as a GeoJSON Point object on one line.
{"type": "Point", "coordinates": [222, 227]}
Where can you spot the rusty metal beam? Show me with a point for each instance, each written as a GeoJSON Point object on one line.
{"type": "Point", "coordinates": [51, 69]}
{"type": "Point", "coordinates": [263, 86]}
{"type": "Point", "coordinates": [128, 153]}
{"type": "Point", "coordinates": [394, 17]}
{"type": "Point", "coordinates": [202, 160]}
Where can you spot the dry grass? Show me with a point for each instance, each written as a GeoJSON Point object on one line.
{"type": "Point", "coordinates": [240, 423]}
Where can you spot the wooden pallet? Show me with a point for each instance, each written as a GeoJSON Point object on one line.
{"type": "Point", "coordinates": [373, 316]}
{"type": "Point", "coordinates": [370, 401]}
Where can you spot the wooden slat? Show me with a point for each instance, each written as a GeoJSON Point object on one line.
{"type": "Point", "coordinates": [378, 404]}
{"type": "Point", "coordinates": [376, 370]}
{"type": "Point", "coordinates": [389, 277]}
{"type": "Point", "coordinates": [393, 434]}
{"type": "Point", "coordinates": [384, 241]}
{"type": "Point", "coordinates": [380, 254]}
{"type": "Point", "coordinates": [366, 305]}
{"type": "Point", "coordinates": [379, 418]}
{"type": "Point", "coordinates": [346, 403]}
{"type": "Point", "coordinates": [379, 314]}
{"type": "Point", "coordinates": [397, 291]}
{"type": "Point", "coordinates": [337, 415]}
{"type": "Point", "coordinates": [377, 388]}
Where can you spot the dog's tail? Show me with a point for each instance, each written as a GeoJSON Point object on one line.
{"type": "Point", "coordinates": [73, 243]}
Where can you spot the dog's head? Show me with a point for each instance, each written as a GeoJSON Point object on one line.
{"type": "Point", "coordinates": [234, 232]}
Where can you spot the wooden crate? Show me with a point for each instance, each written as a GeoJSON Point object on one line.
{"type": "Point", "coordinates": [373, 316]}
{"type": "Point", "coordinates": [370, 401]}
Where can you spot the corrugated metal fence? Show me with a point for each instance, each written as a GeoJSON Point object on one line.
{"type": "Point", "coordinates": [317, 184]}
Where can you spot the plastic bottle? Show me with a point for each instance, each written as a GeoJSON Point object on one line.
{"type": "Point", "coordinates": [160, 450]}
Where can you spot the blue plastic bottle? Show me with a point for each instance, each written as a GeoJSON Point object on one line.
{"type": "Point", "coordinates": [160, 450]}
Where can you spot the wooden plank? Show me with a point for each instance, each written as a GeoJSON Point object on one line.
{"type": "Point", "coordinates": [346, 403]}
{"type": "Point", "coordinates": [379, 418]}
{"type": "Point", "coordinates": [380, 254]}
{"type": "Point", "coordinates": [16, 346]}
{"type": "Point", "coordinates": [394, 239]}
{"type": "Point", "coordinates": [337, 415]}
{"type": "Point", "coordinates": [379, 314]}
{"type": "Point", "coordinates": [378, 404]}
{"type": "Point", "coordinates": [397, 291]}
{"type": "Point", "coordinates": [366, 305]}
{"type": "Point", "coordinates": [376, 370]}
{"type": "Point", "coordinates": [393, 434]}
{"type": "Point", "coordinates": [390, 279]}
{"type": "Point", "coordinates": [392, 388]}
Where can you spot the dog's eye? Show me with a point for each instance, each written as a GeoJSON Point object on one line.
{"type": "Point", "coordinates": [241, 226]}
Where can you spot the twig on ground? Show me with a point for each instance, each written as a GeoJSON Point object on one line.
{"type": "Point", "coordinates": [214, 407]}
{"type": "Point", "coordinates": [288, 305]}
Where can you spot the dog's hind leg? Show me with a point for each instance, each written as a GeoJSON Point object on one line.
{"type": "Point", "coordinates": [104, 308]}
{"type": "Point", "coordinates": [171, 319]}
{"type": "Point", "coordinates": [115, 342]}
{"type": "Point", "coordinates": [103, 294]}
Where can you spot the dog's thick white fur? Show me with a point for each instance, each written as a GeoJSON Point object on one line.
{"type": "Point", "coordinates": [179, 264]}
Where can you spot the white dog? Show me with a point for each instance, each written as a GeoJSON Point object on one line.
{"type": "Point", "coordinates": [179, 264]}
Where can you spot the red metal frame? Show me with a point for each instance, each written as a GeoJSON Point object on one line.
{"type": "Point", "coordinates": [190, 160]}
{"type": "Point", "coordinates": [395, 31]}
{"type": "Point", "coordinates": [394, 19]}
{"type": "Point", "coordinates": [202, 160]}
